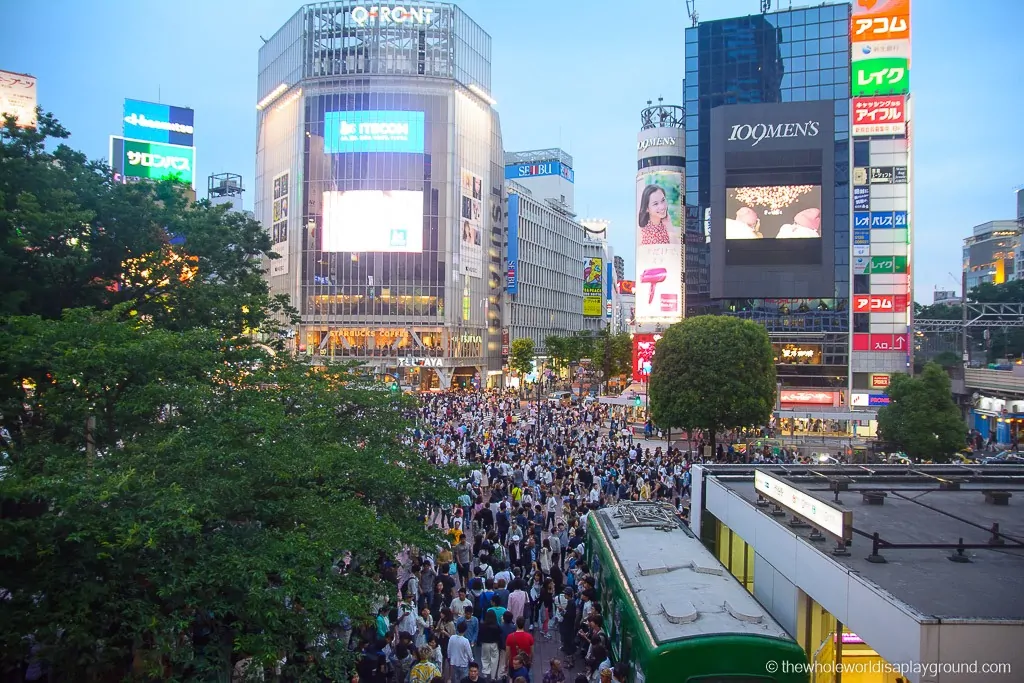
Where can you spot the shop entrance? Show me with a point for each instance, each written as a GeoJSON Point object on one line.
{"type": "Point", "coordinates": [831, 647]}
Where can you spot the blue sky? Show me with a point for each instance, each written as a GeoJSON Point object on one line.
{"type": "Point", "coordinates": [570, 74]}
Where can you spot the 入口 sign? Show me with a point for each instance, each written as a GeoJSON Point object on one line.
{"type": "Point", "coordinates": [391, 15]}
{"type": "Point", "coordinates": [832, 520]}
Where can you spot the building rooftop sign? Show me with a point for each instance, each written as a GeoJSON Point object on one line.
{"type": "Point", "coordinates": [828, 518]}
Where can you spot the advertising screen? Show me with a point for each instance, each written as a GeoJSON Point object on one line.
{"type": "Point", "coordinates": [279, 223]}
{"type": "Point", "coordinates": [152, 160]}
{"type": "Point", "coordinates": [373, 220]}
{"type": "Point", "coordinates": [660, 213]}
{"type": "Point", "coordinates": [373, 131]}
{"type": "Point", "coordinates": [158, 123]}
{"type": "Point", "coordinates": [643, 355]}
{"type": "Point", "coordinates": [773, 212]}
{"type": "Point", "coordinates": [471, 222]}
{"type": "Point", "coordinates": [18, 98]}
{"type": "Point", "coordinates": [593, 270]}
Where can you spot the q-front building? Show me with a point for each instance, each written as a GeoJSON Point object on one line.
{"type": "Point", "coordinates": [379, 176]}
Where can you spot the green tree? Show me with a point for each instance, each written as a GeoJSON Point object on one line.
{"type": "Point", "coordinates": [613, 353]}
{"type": "Point", "coordinates": [522, 356]}
{"type": "Point", "coordinates": [71, 237]}
{"type": "Point", "coordinates": [558, 351]}
{"type": "Point", "coordinates": [921, 419]}
{"type": "Point", "coordinates": [712, 373]}
{"type": "Point", "coordinates": [205, 515]}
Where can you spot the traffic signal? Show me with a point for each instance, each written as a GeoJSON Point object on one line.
{"type": "Point", "coordinates": [636, 401]}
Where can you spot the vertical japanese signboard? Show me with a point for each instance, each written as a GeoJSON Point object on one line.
{"type": "Point", "coordinates": [18, 98]}
{"type": "Point", "coordinates": [882, 195]}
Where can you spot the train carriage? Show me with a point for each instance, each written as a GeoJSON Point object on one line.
{"type": "Point", "coordinates": [673, 612]}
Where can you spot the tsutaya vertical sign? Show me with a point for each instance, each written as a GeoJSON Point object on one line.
{"type": "Point", "coordinates": [881, 110]}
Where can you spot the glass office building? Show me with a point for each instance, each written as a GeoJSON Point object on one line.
{"type": "Point", "coordinates": [795, 56]}
{"type": "Point", "coordinates": [380, 178]}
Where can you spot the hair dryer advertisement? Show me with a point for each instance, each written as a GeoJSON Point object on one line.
{"type": "Point", "coordinates": [659, 271]}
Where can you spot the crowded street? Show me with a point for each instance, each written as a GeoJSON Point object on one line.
{"type": "Point", "coordinates": [513, 568]}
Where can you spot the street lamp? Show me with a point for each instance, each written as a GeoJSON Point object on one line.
{"type": "Point", "coordinates": [646, 376]}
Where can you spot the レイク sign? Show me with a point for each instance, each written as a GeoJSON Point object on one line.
{"type": "Point", "coordinates": [391, 15]}
{"type": "Point", "coordinates": [760, 131]}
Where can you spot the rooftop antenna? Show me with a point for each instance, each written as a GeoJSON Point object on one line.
{"type": "Point", "coordinates": [691, 9]}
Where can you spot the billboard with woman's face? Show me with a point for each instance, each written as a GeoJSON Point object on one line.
{"type": "Point", "coordinates": [660, 214]}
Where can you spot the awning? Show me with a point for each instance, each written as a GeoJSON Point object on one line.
{"type": "Point", "coordinates": [825, 414]}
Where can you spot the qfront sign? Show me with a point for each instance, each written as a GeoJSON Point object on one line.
{"type": "Point", "coordinates": [545, 168]}
{"type": "Point", "coordinates": [152, 160]}
{"type": "Point", "coordinates": [364, 16]}
{"type": "Point", "coordinates": [832, 520]}
{"type": "Point", "coordinates": [159, 123]}
{"type": "Point", "coordinates": [759, 131]}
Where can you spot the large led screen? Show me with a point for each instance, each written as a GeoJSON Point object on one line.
{"type": "Point", "coordinates": [373, 131]}
{"type": "Point", "coordinates": [373, 220]}
{"type": "Point", "coordinates": [660, 213]}
{"type": "Point", "coordinates": [773, 212]}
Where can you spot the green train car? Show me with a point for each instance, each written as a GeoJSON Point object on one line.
{"type": "Point", "coordinates": [673, 612]}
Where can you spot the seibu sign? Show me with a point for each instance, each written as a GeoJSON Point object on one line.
{"type": "Point", "coordinates": [761, 131]}
{"type": "Point", "coordinates": [391, 15]}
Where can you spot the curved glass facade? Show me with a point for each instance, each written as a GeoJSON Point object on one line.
{"type": "Point", "coordinates": [383, 141]}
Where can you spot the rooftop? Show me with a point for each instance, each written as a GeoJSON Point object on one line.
{"type": "Point", "coordinates": [680, 586]}
{"type": "Point", "coordinates": [920, 508]}
{"type": "Point", "coordinates": [535, 156]}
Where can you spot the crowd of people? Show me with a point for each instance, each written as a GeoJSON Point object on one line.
{"type": "Point", "coordinates": [514, 573]}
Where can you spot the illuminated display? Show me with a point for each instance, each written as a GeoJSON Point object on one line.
{"type": "Point", "coordinates": [373, 220]}
{"type": "Point", "coordinates": [373, 131]}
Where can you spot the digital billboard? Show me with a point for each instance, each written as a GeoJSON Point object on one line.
{"type": "Point", "coordinates": [372, 220]}
{"type": "Point", "coordinates": [593, 302]}
{"type": "Point", "coordinates": [773, 212]}
{"type": "Point", "coordinates": [373, 131]}
{"type": "Point", "coordinates": [643, 355]}
{"type": "Point", "coordinates": [159, 123]}
{"type": "Point", "coordinates": [279, 223]}
{"type": "Point", "coordinates": [471, 224]}
{"type": "Point", "coordinates": [18, 98]}
{"type": "Point", "coordinates": [660, 213]}
{"type": "Point", "coordinates": [152, 160]}
{"type": "Point", "coordinates": [773, 194]}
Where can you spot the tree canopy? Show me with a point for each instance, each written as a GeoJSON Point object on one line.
{"type": "Point", "coordinates": [613, 353]}
{"type": "Point", "coordinates": [173, 495]}
{"type": "Point", "coordinates": [522, 355]}
{"type": "Point", "coordinates": [712, 373]}
{"type": "Point", "coordinates": [921, 419]}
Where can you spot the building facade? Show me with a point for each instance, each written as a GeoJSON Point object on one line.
{"type": "Point", "coordinates": [550, 258]}
{"type": "Point", "coordinates": [776, 171]}
{"type": "Point", "coordinates": [990, 253]}
{"type": "Point", "coordinates": [379, 177]}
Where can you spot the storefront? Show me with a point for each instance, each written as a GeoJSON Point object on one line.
{"type": "Point", "coordinates": [998, 417]}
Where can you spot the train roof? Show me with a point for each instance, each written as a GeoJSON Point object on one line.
{"type": "Point", "coordinates": [678, 585]}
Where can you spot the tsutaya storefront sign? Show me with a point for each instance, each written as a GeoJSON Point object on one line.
{"type": "Point", "coordinates": [397, 14]}
{"type": "Point", "coordinates": [420, 362]}
{"type": "Point", "coordinates": [759, 131]}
